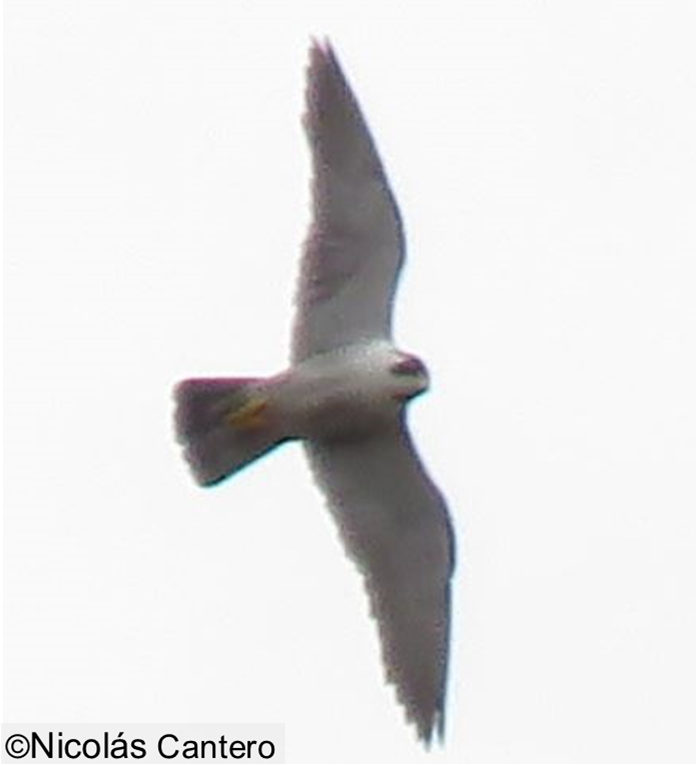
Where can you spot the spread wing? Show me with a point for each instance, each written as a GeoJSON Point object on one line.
{"type": "Point", "coordinates": [355, 245]}
{"type": "Point", "coordinates": [395, 526]}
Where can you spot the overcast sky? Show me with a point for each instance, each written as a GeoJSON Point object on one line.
{"type": "Point", "coordinates": [157, 196]}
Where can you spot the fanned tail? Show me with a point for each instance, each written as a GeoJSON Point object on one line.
{"type": "Point", "coordinates": [224, 424]}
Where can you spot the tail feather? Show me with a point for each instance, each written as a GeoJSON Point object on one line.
{"type": "Point", "coordinates": [224, 424]}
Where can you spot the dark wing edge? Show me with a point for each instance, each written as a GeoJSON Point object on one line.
{"type": "Point", "coordinates": [356, 233]}
{"type": "Point", "coordinates": [394, 524]}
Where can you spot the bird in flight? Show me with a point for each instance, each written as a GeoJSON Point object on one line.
{"type": "Point", "coordinates": [344, 397]}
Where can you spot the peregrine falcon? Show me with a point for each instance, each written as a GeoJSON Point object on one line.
{"type": "Point", "coordinates": [344, 396]}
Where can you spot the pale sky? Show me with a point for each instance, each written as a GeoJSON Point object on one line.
{"type": "Point", "coordinates": [157, 186]}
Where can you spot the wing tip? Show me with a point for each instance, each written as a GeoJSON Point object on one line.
{"type": "Point", "coordinates": [322, 59]}
{"type": "Point", "coordinates": [429, 726]}
{"type": "Point", "coordinates": [320, 46]}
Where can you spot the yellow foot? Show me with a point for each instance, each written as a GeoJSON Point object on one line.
{"type": "Point", "coordinates": [250, 414]}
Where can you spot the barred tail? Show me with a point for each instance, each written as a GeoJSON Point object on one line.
{"type": "Point", "coordinates": [223, 424]}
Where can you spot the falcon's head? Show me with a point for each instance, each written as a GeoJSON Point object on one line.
{"type": "Point", "coordinates": [410, 376]}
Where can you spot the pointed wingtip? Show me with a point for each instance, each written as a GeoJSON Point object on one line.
{"type": "Point", "coordinates": [323, 75]}
{"type": "Point", "coordinates": [321, 52]}
{"type": "Point", "coordinates": [430, 731]}
{"type": "Point", "coordinates": [320, 44]}
{"type": "Point", "coordinates": [428, 724]}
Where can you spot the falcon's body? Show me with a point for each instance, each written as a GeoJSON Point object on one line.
{"type": "Point", "coordinates": [351, 391]}
{"type": "Point", "coordinates": [344, 396]}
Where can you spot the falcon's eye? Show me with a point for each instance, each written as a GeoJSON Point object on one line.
{"type": "Point", "coordinates": [409, 366]}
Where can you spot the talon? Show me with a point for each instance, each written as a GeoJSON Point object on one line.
{"type": "Point", "coordinates": [249, 415]}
